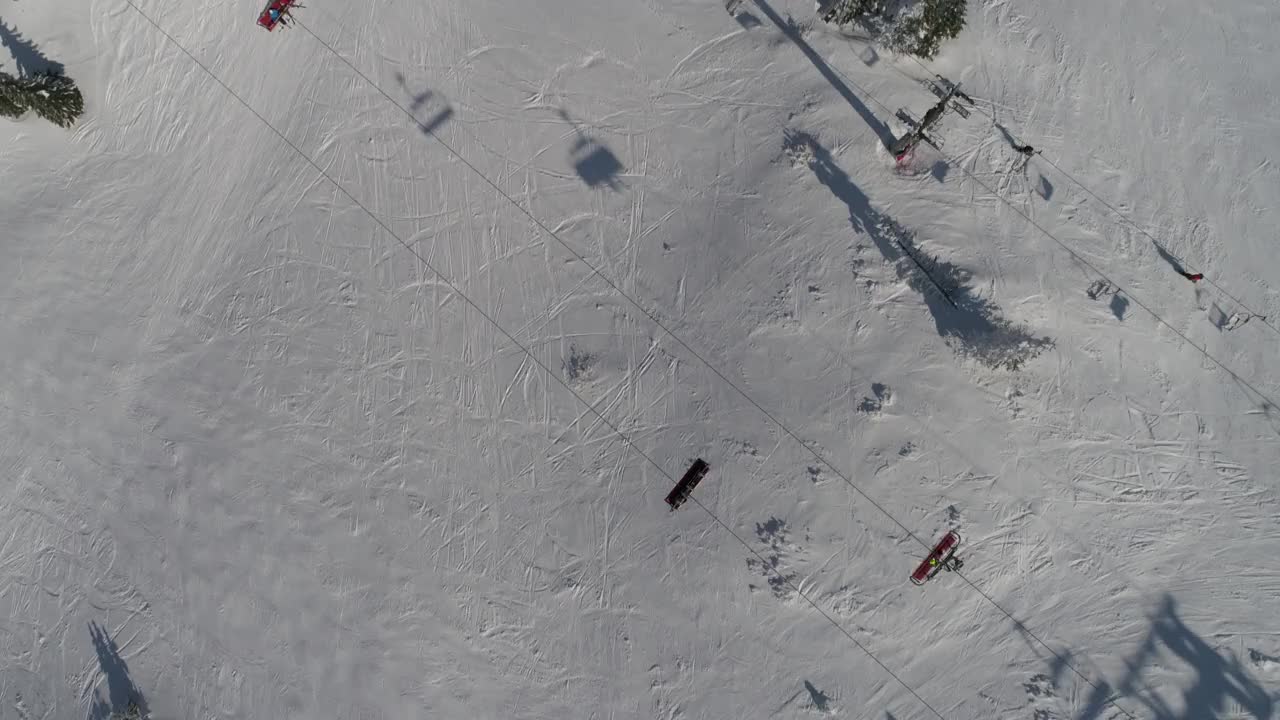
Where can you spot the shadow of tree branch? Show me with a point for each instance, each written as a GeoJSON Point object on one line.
{"type": "Point", "coordinates": [26, 54]}
{"type": "Point", "coordinates": [971, 325]}
{"type": "Point", "coordinates": [123, 697]}
{"type": "Point", "coordinates": [1218, 677]}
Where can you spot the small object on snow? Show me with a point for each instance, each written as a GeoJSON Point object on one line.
{"type": "Point", "coordinates": [942, 557]}
{"type": "Point", "coordinates": [1025, 150]}
{"type": "Point", "coordinates": [1193, 277]}
{"type": "Point", "coordinates": [685, 487]}
{"type": "Point", "coordinates": [1236, 320]}
{"type": "Point", "coordinates": [1100, 288]}
{"type": "Point", "coordinates": [731, 6]}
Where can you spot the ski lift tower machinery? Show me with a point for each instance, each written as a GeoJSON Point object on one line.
{"type": "Point", "coordinates": [948, 93]}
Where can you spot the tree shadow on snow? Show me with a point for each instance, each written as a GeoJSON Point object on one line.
{"type": "Point", "coordinates": [122, 694]}
{"type": "Point", "coordinates": [821, 701]}
{"type": "Point", "coordinates": [594, 163]}
{"type": "Point", "coordinates": [1219, 677]}
{"type": "Point", "coordinates": [26, 54]}
{"type": "Point", "coordinates": [426, 99]}
{"type": "Point", "coordinates": [971, 325]}
{"type": "Point", "coordinates": [795, 34]}
{"type": "Point", "coordinates": [818, 700]}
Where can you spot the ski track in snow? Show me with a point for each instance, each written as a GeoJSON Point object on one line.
{"type": "Point", "coordinates": [264, 463]}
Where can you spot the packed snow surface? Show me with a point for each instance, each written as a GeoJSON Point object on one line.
{"type": "Point", "coordinates": [346, 367]}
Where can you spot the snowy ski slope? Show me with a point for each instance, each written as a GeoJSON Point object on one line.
{"type": "Point", "coordinates": [346, 367]}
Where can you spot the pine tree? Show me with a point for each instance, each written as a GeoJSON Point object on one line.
{"type": "Point", "coordinates": [53, 97]}
{"type": "Point", "coordinates": [9, 104]}
{"type": "Point", "coordinates": [8, 108]}
{"type": "Point", "coordinates": [915, 28]}
{"type": "Point", "coordinates": [849, 11]}
{"type": "Point", "coordinates": [922, 31]}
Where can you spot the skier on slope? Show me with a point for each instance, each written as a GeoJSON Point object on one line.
{"type": "Point", "coordinates": [1027, 153]}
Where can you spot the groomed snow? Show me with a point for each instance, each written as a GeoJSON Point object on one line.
{"type": "Point", "coordinates": [308, 412]}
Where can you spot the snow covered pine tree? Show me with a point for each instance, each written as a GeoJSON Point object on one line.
{"type": "Point", "coordinates": [53, 97]}
{"type": "Point", "coordinates": [843, 12]}
{"type": "Point", "coordinates": [915, 27]}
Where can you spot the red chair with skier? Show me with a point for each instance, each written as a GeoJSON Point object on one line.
{"type": "Point", "coordinates": [276, 13]}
